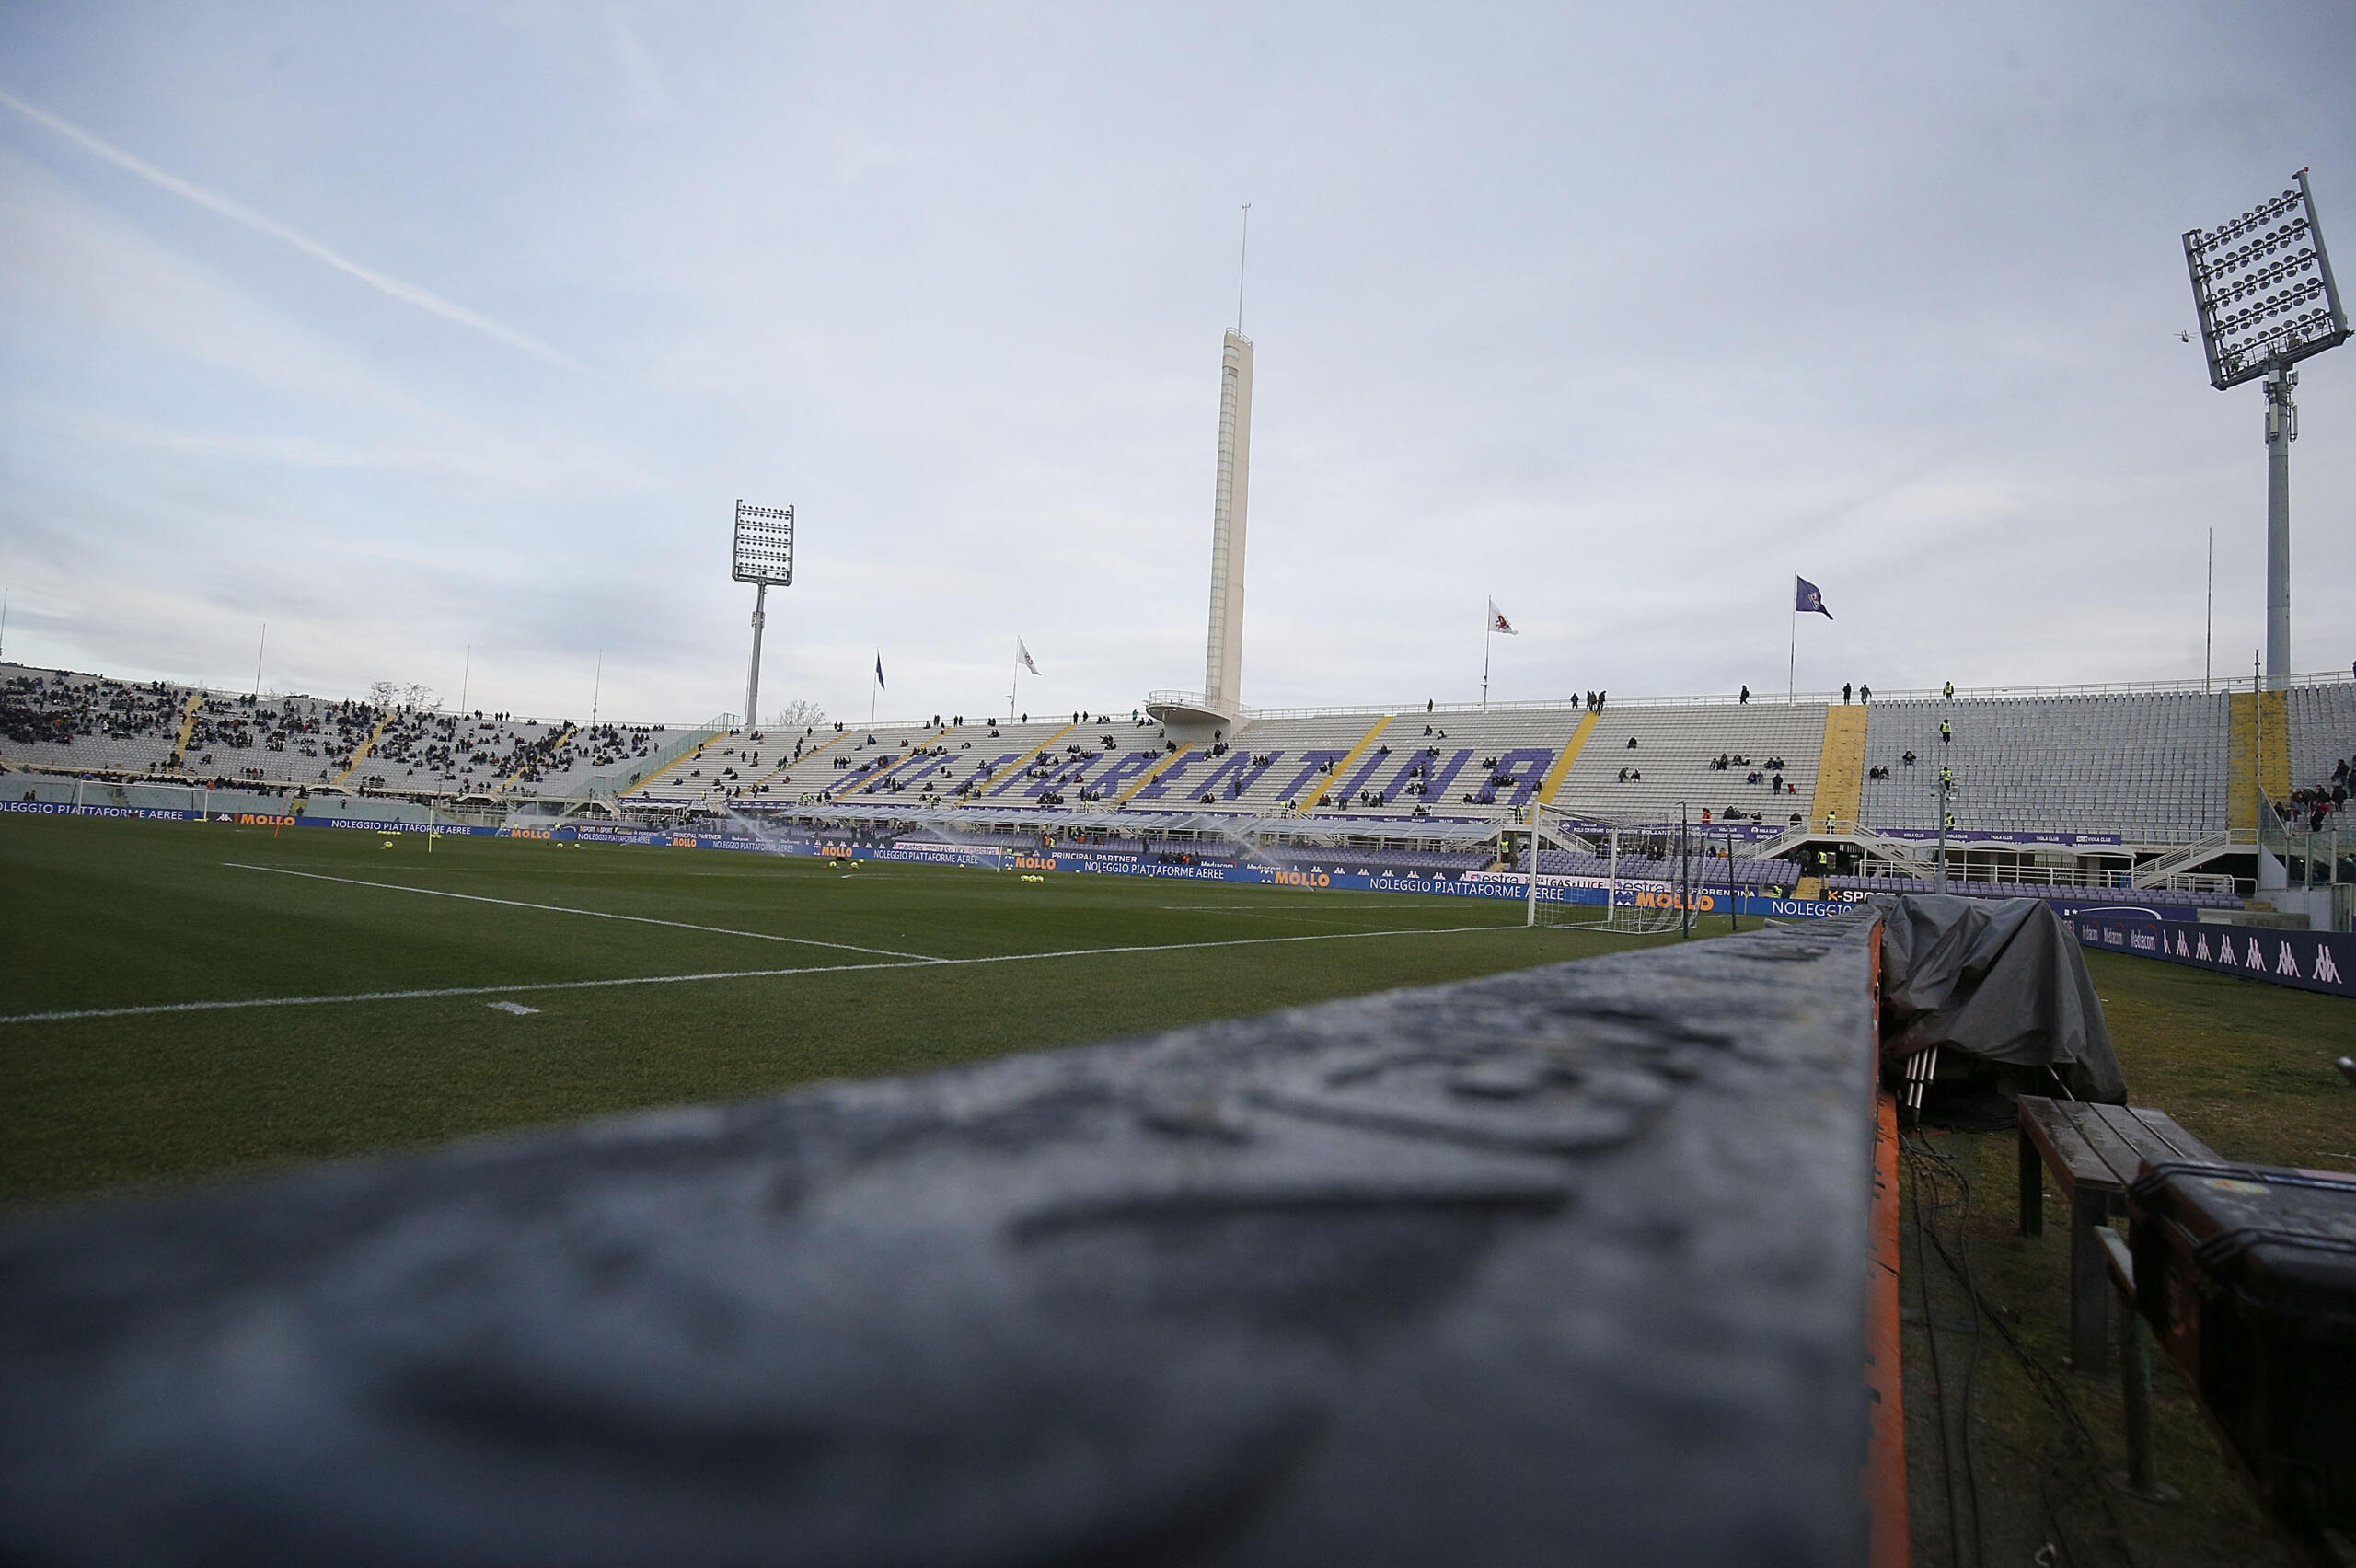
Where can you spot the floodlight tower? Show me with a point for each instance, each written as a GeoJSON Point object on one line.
{"type": "Point", "coordinates": [2264, 288]}
{"type": "Point", "coordinates": [763, 557]}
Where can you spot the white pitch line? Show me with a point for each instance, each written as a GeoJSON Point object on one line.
{"type": "Point", "coordinates": [595, 913]}
{"type": "Point", "coordinates": [432, 993]}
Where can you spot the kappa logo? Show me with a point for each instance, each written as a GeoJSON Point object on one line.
{"type": "Point", "coordinates": [2325, 968]}
{"type": "Point", "coordinates": [2200, 948]}
{"type": "Point", "coordinates": [2286, 964]}
{"type": "Point", "coordinates": [2252, 958]}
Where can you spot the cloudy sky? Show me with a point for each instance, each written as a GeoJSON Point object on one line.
{"type": "Point", "coordinates": [407, 329]}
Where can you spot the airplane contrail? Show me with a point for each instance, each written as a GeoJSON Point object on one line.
{"type": "Point", "coordinates": [237, 212]}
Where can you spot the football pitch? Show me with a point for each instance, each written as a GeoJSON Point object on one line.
{"type": "Point", "coordinates": [183, 999]}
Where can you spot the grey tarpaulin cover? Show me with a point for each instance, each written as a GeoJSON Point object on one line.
{"type": "Point", "coordinates": [2001, 979]}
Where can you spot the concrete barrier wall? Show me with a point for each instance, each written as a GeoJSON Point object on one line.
{"type": "Point", "coordinates": [1567, 1266]}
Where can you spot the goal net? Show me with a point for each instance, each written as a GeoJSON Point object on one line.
{"type": "Point", "coordinates": [1601, 875]}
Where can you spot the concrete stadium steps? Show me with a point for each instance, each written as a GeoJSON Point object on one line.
{"type": "Point", "coordinates": [187, 723]}
{"type": "Point", "coordinates": [734, 764]}
{"type": "Point", "coordinates": [1104, 759]}
{"type": "Point", "coordinates": [765, 768]}
{"type": "Point", "coordinates": [2257, 754]}
{"type": "Point", "coordinates": [117, 726]}
{"type": "Point", "coordinates": [1296, 750]}
{"type": "Point", "coordinates": [1840, 765]}
{"type": "Point", "coordinates": [2323, 731]}
{"type": "Point", "coordinates": [1525, 744]}
{"type": "Point", "coordinates": [457, 754]}
{"type": "Point", "coordinates": [1033, 765]}
{"type": "Point", "coordinates": [1675, 746]}
{"type": "Point", "coordinates": [1570, 754]}
{"type": "Point", "coordinates": [1022, 761]}
{"type": "Point", "coordinates": [2156, 768]}
{"type": "Point", "coordinates": [903, 760]}
{"type": "Point", "coordinates": [291, 740]}
{"type": "Point", "coordinates": [2150, 766]}
{"type": "Point", "coordinates": [343, 777]}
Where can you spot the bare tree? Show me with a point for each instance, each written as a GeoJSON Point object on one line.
{"type": "Point", "coordinates": [418, 697]}
{"type": "Point", "coordinates": [384, 695]}
{"type": "Point", "coordinates": [799, 714]}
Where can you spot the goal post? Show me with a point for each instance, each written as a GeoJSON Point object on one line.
{"type": "Point", "coordinates": [1605, 842]}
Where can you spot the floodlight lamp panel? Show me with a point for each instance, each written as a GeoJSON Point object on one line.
{"type": "Point", "coordinates": [2262, 283]}
{"type": "Point", "coordinates": [764, 550]}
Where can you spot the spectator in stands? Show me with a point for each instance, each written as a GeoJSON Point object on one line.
{"type": "Point", "coordinates": [1865, 694]}
{"type": "Point", "coordinates": [1632, 743]}
{"type": "Point", "coordinates": [1947, 733]}
{"type": "Point", "coordinates": [1947, 691]}
{"type": "Point", "coordinates": [1745, 695]}
{"type": "Point", "coordinates": [1846, 692]}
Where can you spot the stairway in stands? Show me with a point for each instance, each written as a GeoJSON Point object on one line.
{"type": "Point", "coordinates": [1840, 770]}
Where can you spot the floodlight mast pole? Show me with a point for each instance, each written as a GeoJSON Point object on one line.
{"type": "Point", "coordinates": [2281, 429]}
{"type": "Point", "coordinates": [752, 677]}
{"type": "Point", "coordinates": [2263, 288]}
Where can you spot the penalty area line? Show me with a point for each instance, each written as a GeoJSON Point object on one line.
{"type": "Point", "coordinates": [592, 914]}
{"type": "Point", "coordinates": [438, 992]}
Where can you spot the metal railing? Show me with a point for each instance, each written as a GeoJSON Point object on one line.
{"type": "Point", "coordinates": [2216, 688]}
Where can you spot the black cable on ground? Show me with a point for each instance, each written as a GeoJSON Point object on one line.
{"type": "Point", "coordinates": [1938, 1382]}
{"type": "Point", "coordinates": [2051, 1387]}
{"type": "Point", "coordinates": [1971, 1364]}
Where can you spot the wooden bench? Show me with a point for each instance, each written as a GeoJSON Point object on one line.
{"type": "Point", "coordinates": [2093, 1151]}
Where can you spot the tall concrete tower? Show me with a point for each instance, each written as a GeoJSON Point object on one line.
{"type": "Point", "coordinates": [1223, 661]}
{"type": "Point", "coordinates": [1222, 699]}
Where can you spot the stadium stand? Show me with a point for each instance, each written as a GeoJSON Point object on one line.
{"type": "Point", "coordinates": [2323, 754]}
{"type": "Point", "coordinates": [732, 765]}
{"type": "Point", "coordinates": [1369, 762]}
{"type": "Point", "coordinates": [2126, 773]}
{"type": "Point", "coordinates": [1678, 751]}
{"type": "Point", "coordinates": [2130, 896]}
{"type": "Point", "coordinates": [2151, 767]}
{"type": "Point", "coordinates": [89, 722]}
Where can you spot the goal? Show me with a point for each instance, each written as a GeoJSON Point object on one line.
{"type": "Point", "coordinates": [1597, 893]}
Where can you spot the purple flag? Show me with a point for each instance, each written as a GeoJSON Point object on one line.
{"type": "Point", "coordinates": [1811, 599]}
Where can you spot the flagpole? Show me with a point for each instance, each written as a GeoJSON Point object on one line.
{"type": "Point", "coordinates": [1791, 666]}
{"type": "Point", "coordinates": [1014, 685]}
{"type": "Point", "coordinates": [872, 689]}
{"type": "Point", "coordinates": [1488, 628]}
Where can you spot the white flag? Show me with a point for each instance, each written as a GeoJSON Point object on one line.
{"type": "Point", "coordinates": [1023, 654]}
{"type": "Point", "coordinates": [1498, 622]}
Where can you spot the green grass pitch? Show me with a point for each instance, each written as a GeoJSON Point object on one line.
{"type": "Point", "coordinates": [96, 915]}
